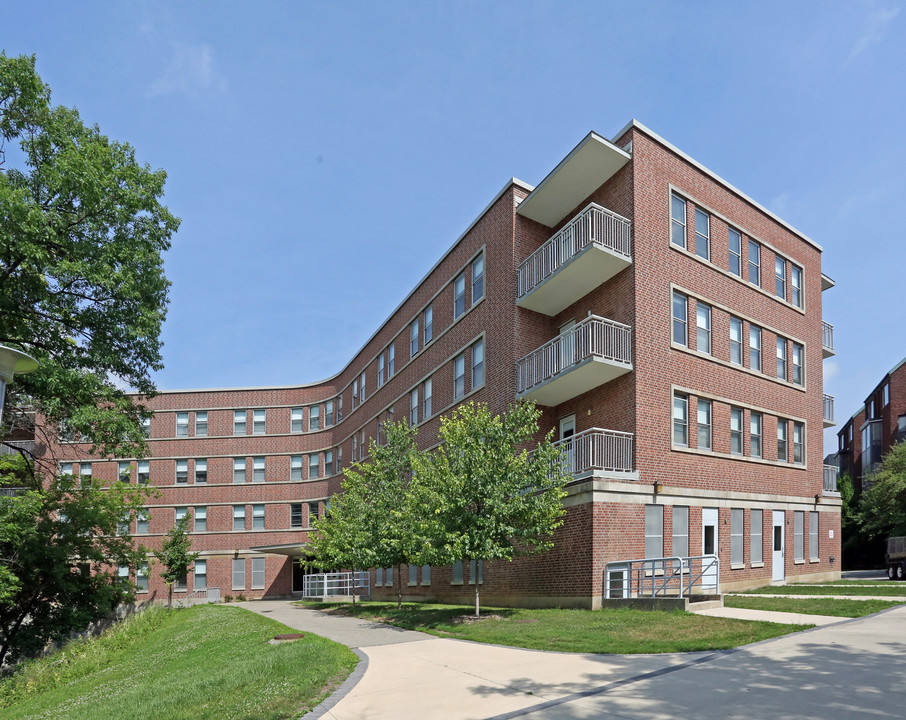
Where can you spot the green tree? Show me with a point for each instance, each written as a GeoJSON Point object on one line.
{"type": "Point", "coordinates": [492, 497]}
{"type": "Point", "coordinates": [883, 504]}
{"type": "Point", "coordinates": [60, 544]}
{"type": "Point", "coordinates": [175, 554]}
{"type": "Point", "coordinates": [82, 287]}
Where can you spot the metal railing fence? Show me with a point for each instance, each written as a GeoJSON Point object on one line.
{"type": "Point", "coordinates": [830, 478]}
{"type": "Point", "coordinates": [827, 335]}
{"type": "Point", "coordinates": [829, 408]}
{"type": "Point", "coordinates": [597, 449]}
{"type": "Point", "coordinates": [662, 577]}
{"type": "Point", "coordinates": [334, 584]}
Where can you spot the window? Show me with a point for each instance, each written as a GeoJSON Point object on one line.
{"type": "Point", "coordinates": [297, 415]}
{"type": "Point", "coordinates": [146, 427]}
{"type": "Point", "coordinates": [182, 424]}
{"type": "Point", "coordinates": [755, 434]}
{"type": "Point", "coordinates": [124, 473]}
{"type": "Point", "coordinates": [735, 252]}
{"type": "Point", "coordinates": [798, 442]}
{"type": "Point", "coordinates": [736, 537]}
{"type": "Point", "coordinates": [781, 358]}
{"type": "Point", "coordinates": [201, 471]}
{"type": "Point", "coordinates": [200, 581]}
{"type": "Point", "coordinates": [380, 370]}
{"type": "Point", "coordinates": [413, 338]}
{"type": "Point", "coordinates": [476, 571]}
{"type": "Point", "coordinates": [85, 471]}
{"type": "Point", "coordinates": [754, 263]}
{"type": "Point", "coordinates": [65, 468]}
{"type": "Point", "coordinates": [755, 537]}
{"type": "Point", "coordinates": [478, 364]}
{"type": "Point", "coordinates": [122, 572]}
{"type": "Point", "coordinates": [798, 539]}
{"type": "Point", "coordinates": [258, 467]}
{"type": "Point", "coordinates": [680, 420]}
{"type": "Point", "coordinates": [736, 431]}
{"type": "Point", "coordinates": [238, 517]}
{"type": "Point", "coordinates": [426, 401]}
{"type": "Point", "coordinates": [201, 519]}
{"type": "Point", "coordinates": [703, 327]}
{"type": "Point", "coordinates": [257, 517]}
{"type": "Point", "coordinates": [654, 531]}
{"type": "Point", "coordinates": [755, 348]}
{"type": "Point", "coordinates": [702, 234]}
{"type": "Point", "coordinates": [355, 393]}
{"type": "Point", "coordinates": [182, 472]}
{"type": "Point", "coordinates": [339, 460]}
{"type": "Point", "coordinates": [362, 387]}
{"type": "Point", "coordinates": [258, 573]}
{"type": "Point", "coordinates": [735, 340]}
{"type": "Point", "coordinates": [355, 446]}
{"type": "Point", "coordinates": [680, 315]}
{"type": "Point", "coordinates": [180, 513]}
{"type": "Point", "coordinates": [328, 413]}
{"type": "Point", "coordinates": [201, 423]}
{"type": "Point", "coordinates": [314, 417]}
{"type": "Point", "coordinates": [677, 220]}
{"type": "Point", "coordinates": [782, 451]}
{"type": "Point", "coordinates": [379, 577]}
{"type": "Point", "coordinates": [141, 578]}
{"type": "Point", "coordinates": [259, 422]}
{"type": "Point", "coordinates": [429, 324]}
{"type": "Point", "coordinates": [239, 417]}
{"type": "Point", "coordinates": [426, 574]}
{"type": "Point", "coordinates": [388, 576]}
{"type": "Point", "coordinates": [413, 407]}
{"type": "Point", "coordinates": [144, 472]}
{"type": "Point", "coordinates": [456, 573]}
{"type": "Point", "coordinates": [796, 284]}
{"type": "Point", "coordinates": [362, 447]}
{"type": "Point", "coordinates": [314, 466]}
{"type": "Point", "coordinates": [704, 424]}
{"type": "Point", "coordinates": [798, 362]}
{"type": "Point", "coordinates": [477, 279]}
{"type": "Point", "coordinates": [885, 395]}
{"type": "Point", "coordinates": [238, 573]}
{"type": "Point", "coordinates": [413, 574]}
{"type": "Point", "coordinates": [780, 277]}
{"type": "Point", "coordinates": [328, 463]}
{"type": "Point", "coordinates": [459, 296]}
{"type": "Point", "coordinates": [459, 377]}
{"type": "Point", "coordinates": [142, 521]}
{"type": "Point", "coordinates": [391, 360]}
{"type": "Point", "coordinates": [680, 531]}
{"type": "Point", "coordinates": [238, 470]}
{"type": "Point", "coordinates": [813, 536]}
{"type": "Point", "coordinates": [295, 515]}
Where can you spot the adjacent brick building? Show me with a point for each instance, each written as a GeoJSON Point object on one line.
{"type": "Point", "coordinates": [669, 326]}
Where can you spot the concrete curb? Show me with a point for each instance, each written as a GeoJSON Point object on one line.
{"type": "Point", "coordinates": [345, 688]}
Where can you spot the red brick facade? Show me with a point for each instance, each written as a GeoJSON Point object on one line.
{"type": "Point", "coordinates": [606, 510]}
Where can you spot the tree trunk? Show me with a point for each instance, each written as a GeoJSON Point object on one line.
{"type": "Point", "coordinates": [399, 587]}
{"type": "Point", "coordinates": [169, 596]}
{"type": "Point", "coordinates": [477, 613]}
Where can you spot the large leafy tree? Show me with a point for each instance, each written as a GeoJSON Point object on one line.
{"type": "Point", "coordinates": [883, 504]}
{"type": "Point", "coordinates": [493, 496]}
{"type": "Point", "coordinates": [82, 286]}
{"type": "Point", "coordinates": [175, 554]}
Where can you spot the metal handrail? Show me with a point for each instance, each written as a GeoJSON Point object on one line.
{"type": "Point", "coordinates": [830, 478]}
{"type": "Point", "coordinates": [593, 225]}
{"type": "Point", "coordinates": [208, 595]}
{"type": "Point", "coordinates": [661, 577]}
{"type": "Point", "coordinates": [593, 337]}
{"type": "Point", "coordinates": [597, 449]}
{"type": "Point", "coordinates": [829, 408]}
{"type": "Point", "coordinates": [324, 585]}
{"type": "Point", "coordinates": [827, 335]}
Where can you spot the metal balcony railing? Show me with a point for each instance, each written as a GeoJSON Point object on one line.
{"type": "Point", "coordinates": [827, 337]}
{"type": "Point", "coordinates": [597, 450]}
{"type": "Point", "coordinates": [594, 225]}
{"type": "Point", "coordinates": [594, 337]}
{"type": "Point", "coordinates": [828, 408]}
{"type": "Point", "coordinates": [12, 447]}
{"type": "Point", "coordinates": [830, 478]}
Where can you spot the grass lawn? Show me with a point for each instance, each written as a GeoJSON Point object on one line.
{"type": "Point", "coordinates": [879, 581]}
{"type": "Point", "coordinates": [203, 662]}
{"type": "Point", "coordinates": [812, 606]}
{"type": "Point", "coordinates": [621, 631]}
{"type": "Point", "coordinates": [889, 590]}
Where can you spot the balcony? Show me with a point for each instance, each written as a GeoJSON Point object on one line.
{"type": "Point", "coordinates": [599, 453]}
{"type": "Point", "coordinates": [12, 447]}
{"type": "Point", "coordinates": [592, 248]}
{"type": "Point", "coordinates": [584, 357]}
{"type": "Point", "coordinates": [827, 339]}
{"type": "Point", "coordinates": [829, 411]}
{"type": "Point", "coordinates": [830, 478]}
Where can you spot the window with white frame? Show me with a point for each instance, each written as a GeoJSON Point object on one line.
{"type": "Point", "coordinates": [680, 546]}
{"type": "Point", "coordinates": [459, 376]}
{"type": "Point", "coordinates": [259, 422]}
{"type": "Point", "coordinates": [141, 578]}
{"type": "Point", "coordinates": [478, 364]}
{"type": "Point", "coordinates": [258, 573]}
{"type": "Point", "coordinates": [122, 572]}
{"type": "Point", "coordinates": [314, 512]}
{"type": "Point", "coordinates": [677, 220]}
{"type": "Point", "coordinates": [238, 517]}
{"type": "Point", "coordinates": [782, 448]}
{"type": "Point", "coordinates": [328, 463]}
{"type": "Point", "coordinates": [755, 434]}
{"type": "Point", "coordinates": [426, 575]}
{"type": "Point", "coordinates": [780, 277]}
{"type": "Point", "coordinates": [182, 472]}
{"type": "Point", "coordinates": [680, 318]}
{"type": "Point", "coordinates": [413, 338]}
{"type": "Point", "coordinates": [314, 417]}
{"type": "Point", "coordinates": [239, 418]}
{"type": "Point", "coordinates": [429, 324]}
{"type": "Point", "coordinates": [654, 531]}
{"type": "Point", "coordinates": [737, 549]}
{"type": "Point", "coordinates": [885, 395]}
{"type": "Point", "coordinates": [735, 340]}
{"type": "Point", "coordinates": [680, 420]}
{"type": "Point", "coordinates": [238, 574]}
{"type": "Point", "coordinates": [755, 348]}
{"type": "Point", "coordinates": [813, 554]}
{"type": "Point", "coordinates": [477, 279]}
{"type": "Point", "coordinates": [427, 399]}
{"type": "Point", "coordinates": [182, 424]}
{"type": "Point", "coordinates": [456, 573]}
{"type": "Point", "coordinates": [459, 296]}
{"type": "Point", "coordinates": [413, 407]}
{"type": "Point", "coordinates": [355, 447]}
{"type": "Point", "coordinates": [702, 234]}
{"type": "Point", "coordinates": [328, 413]}
{"type": "Point", "coordinates": [781, 358]}
{"type": "Point", "coordinates": [201, 424]}
{"type": "Point", "coordinates": [201, 518]}
{"type": "Point", "coordinates": [85, 471]}
{"type": "Point", "coordinates": [355, 393]}
{"type": "Point", "coordinates": [798, 536]}
{"type": "Point", "coordinates": [201, 471]}
{"type": "Point", "coordinates": [798, 364]}
{"type": "Point", "coordinates": [339, 407]}
{"type": "Point", "coordinates": [181, 584]}
{"type": "Point", "coordinates": [258, 469]}
{"type": "Point", "coordinates": [362, 387]}
{"type": "Point", "coordinates": [144, 472]}
{"type": "Point", "coordinates": [391, 360]}
{"type": "Point", "coordinates": [180, 513]}
{"type": "Point", "coordinates": [754, 263]}
{"type": "Point", "coordinates": [124, 472]}
{"type": "Point", "coordinates": [796, 285]}
{"type": "Point", "coordinates": [736, 431]}
{"type": "Point", "coordinates": [380, 370]}
{"type": "Point", "coordinates": [735, 261]}
{"type": "Point", "coordinates": [799, 443]}
{"type": "Point", "coordinates": [297, 416]}
{"type": "Point", "coordinates": [143, 521]}
{"type": "Point", "coordinates": [238, 470]}
{"type": "Point", "coordinates": [363, 448]}
{"type": "Point", "coordinates": [295, 515]}
{"type": "Point", "coordinates": [339, 460]}
{"type": "Point", "coordinates": [200, 575]}
{"type": "Point", "coordinates": [703, 327]}
{"type": "Point", "coordinates": [314, 466]}
{"type": "Point", "coordinates": [755, 537]}
{"type": "Point", "coordinates": [146, 427]}
{"type": "Point", "coordinates": [704, 424]}
{"type": "Point", "coordinates": [122, 527]}
{"type": "Point", "coordinates": [257, 517]}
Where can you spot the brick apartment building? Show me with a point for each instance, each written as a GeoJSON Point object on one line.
{"type": "Point", "coordinates": [877, 426]}
{"type": "Point", "coordinates": [669, 326]}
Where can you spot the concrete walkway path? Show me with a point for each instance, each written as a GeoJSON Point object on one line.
{"type": "Point", "coordinates": [785, 618]}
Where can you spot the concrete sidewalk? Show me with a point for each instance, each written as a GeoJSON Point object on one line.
{"type": "Point", "coordinates": [785, 618]}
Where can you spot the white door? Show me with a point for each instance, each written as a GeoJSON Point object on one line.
{"type": "Point", "coordinates": [567, 345]}
{"type": "Point", "coordinates": [709, 548]}
{"type": "Point", "coordinates": [567, 430]}
{"type": "Point", "coordinates": [778, 543]}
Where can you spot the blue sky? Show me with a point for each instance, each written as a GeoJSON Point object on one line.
{"type": "Point", "coordinates": [323, 155]}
